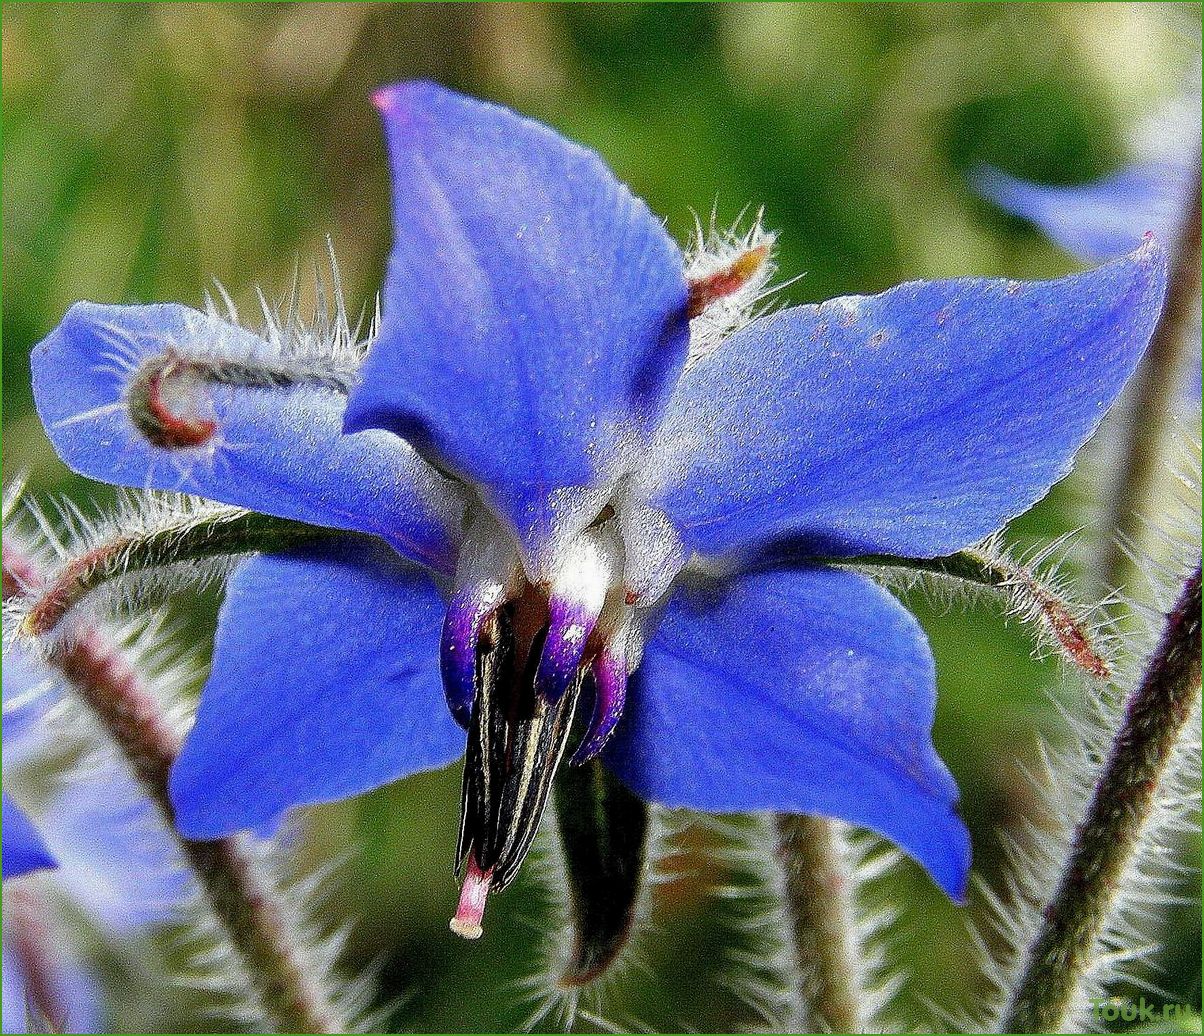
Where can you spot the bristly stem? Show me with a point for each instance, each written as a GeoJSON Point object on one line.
{"type": "Point", "coordinates": [1060, 619]}
{"type": "Point", "coordinates": [1104, 843]}
{"type": "Point", "coordinates": [222, 532]}
{"type": "Point", "coordinates": [253, 915]}
{"type": "Point", "coordinates": [822, 926]}
{"type": "Point", "coordinates": [1152, 394]}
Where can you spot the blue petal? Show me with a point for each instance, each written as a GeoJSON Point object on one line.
{"type": "Point", "coordinates": [805, 691]}
{"type": "Point", "coordinates": [280, 451]}
{"type": "Point", "coordinates": [115, 856]}
{"type": "Point", "coordinates": [325, 683]}
{"type": "Point", "coordinates": [1098, 220]}
{"type": "Point", "coordinates": [23, 850]}
{"type": "Point", "coordinates": [533, 308]}
{"type": "Point", "coordinates": [74, 993]}
{"type": "Point", "coordinates": [913, 422]}
{"type": "Point", "coordinates": [28, 693]}
{"type": "Point", "coordinates": [118, 861]}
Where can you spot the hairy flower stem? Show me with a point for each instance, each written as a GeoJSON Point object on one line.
{"type": "Point", "coordinates": [1059, 618]}
{"type": "Point", "coordinates": [1104, 843]}
{"type": "Point", "coordinates": [28, 937]}
{"type": "Point", "coordinates": [255, 918]}
{"type": "Point", "coordinates": [1152, 394]}
{"type": "Point", "coordinates": [819, 905]}
{"type": "Point", "coordinates": [224, 532]}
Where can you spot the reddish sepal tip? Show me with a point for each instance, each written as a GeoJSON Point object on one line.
{"type": "Point", "coordinates": [727, 281]}
{"type": "Point", "coordinates": [170, 430]}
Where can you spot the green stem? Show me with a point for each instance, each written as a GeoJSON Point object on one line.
{"type": "Point", "coordinates": [819, 904]}
{"type": "Point", "coordinates": [254, 917]}
{"type": "Point", "coordinates": [1123, 799]}
{"type": "Point", "coordinates": [221, 532]}
{"type": "Point", "coordinates": [1153, 390]}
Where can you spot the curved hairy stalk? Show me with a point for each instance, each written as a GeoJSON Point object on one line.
{"type": "Point", "coordinates": [822, 922]}
{"type": "Point", "coordinates": [1121, 805]}
{"type": "Point", "coordinates": [163, 534]}
{"type": "Point", "coordinates": [256, 919]}
{"type": "Point", "coordinates": [1031, 596]}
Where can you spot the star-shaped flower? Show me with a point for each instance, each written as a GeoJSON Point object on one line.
{"type": "Point", "coordinates": [110, 855]}
{"type": "Point", "coordinates": [1101, 219]}
{"type": "Point", "coordinates": [580, 514]}
{"type": "Point", "coordinates": [1111, 215]}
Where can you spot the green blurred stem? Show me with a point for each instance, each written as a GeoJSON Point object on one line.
{"type": "Point", "coordinates": [1124, 797]}
{"type": "Point", "coordinates": [822, 927]}
{"type": "Point", "coordinates": [1153, 392]}
{"type": "Point", "coordinates": [257, 920]}
{"type": "Point", "coordinates": [220, 532]}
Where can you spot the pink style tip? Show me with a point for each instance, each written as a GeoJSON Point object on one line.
{"type": "Point", "coordinates": [473, 894]}
{"type": "Point", "coordinates": [385, 98]}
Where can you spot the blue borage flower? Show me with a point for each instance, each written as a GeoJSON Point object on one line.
{"type": "Point", "coordinates": [1102, 219]}
{"type": "Point", "coordinates": [1110, 216]}
{"type": "Point", "coordinates": [578, 512]}
{"type": "Point", "coordinates": [110, 854]}
{"type": "Point", "coordinates": [24, 849]}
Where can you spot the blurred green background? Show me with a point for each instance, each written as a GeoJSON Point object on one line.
{"type": "Point", "coordinates": [149, 149]}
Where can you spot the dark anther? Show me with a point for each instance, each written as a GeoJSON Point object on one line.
{"type": "Point", "coordinates": [516, 740]}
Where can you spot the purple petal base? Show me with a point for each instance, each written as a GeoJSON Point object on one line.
{"type": "Point", "coordinates": [568, 631]}
{"type": "Point", "coordinates": [466, 614]}
{"type": "Point", "coordinates": [610, 693]}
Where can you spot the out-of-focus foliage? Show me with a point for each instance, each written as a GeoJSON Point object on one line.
{"type": "Point", "coordinates": [150, 148]}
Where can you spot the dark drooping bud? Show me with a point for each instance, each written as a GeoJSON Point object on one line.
{"type": "Point", "coordinates": [516, 739]}
{"type": "Point", "coordinates": [604, 833]}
